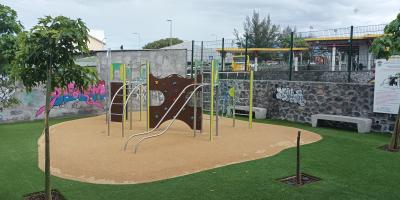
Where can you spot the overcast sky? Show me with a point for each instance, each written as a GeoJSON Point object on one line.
{"type": "Point", "coordinates": [197, 20]}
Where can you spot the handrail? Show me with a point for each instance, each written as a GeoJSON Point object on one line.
{"type": "Point", "coordinates": [109, 109]}
{"type": "Point", "coordinates": [137, 145]}
{"type": "Point", "coordinates": [123, 111]}
{"type": "Point", "coordinates": [165, 113]}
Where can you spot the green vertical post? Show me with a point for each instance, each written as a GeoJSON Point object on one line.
{"type": "Point", "coordinates": [349, 60]}
{"type": "Point", "coordinates": [291, 56]}
{"type": "Point", "coordinates": [194, 99]}
{"type": "Point", "coordinates": [191, 75]}
{"type": "Point", "coordinates": [251, 101]}
{"type": "Point", "coordinates": [222, 64]}
{"type": "Point", "coordinates": [245, 56]}
{"type": "Point", "coordinates": [201, 59]}
{"type": "Point", "coordinates": [148, 94]}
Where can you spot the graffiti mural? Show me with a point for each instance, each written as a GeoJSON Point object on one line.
{"type": "Point", "coordinates": [1, 116]}
{"type": "Point", "coordinates": [71, 94]}
{"type": "Point", "coordinates": [5, 94]}
{"type": "Point", "coordinates": [33, 97]}
{"type": "Point", "coordinates": [289, 95]}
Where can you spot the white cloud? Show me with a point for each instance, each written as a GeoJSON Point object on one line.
{"type": "Point", "coordinates": [197, 20]}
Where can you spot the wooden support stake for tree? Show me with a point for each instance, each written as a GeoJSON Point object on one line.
{"type": "Point", "coordinates": [298, 176]}
{"type": "Point", "coordinates": [395, 136]}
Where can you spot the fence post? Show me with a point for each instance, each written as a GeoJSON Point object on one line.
{"type": "Point", "coordinates": [191, 71]}
{"type": "Point", "coordinates": [245, 57]}
{"type": "Point", "coordinates": [222, 64]}
{"type": "Point", "coordinates": [291, 56]}
{"type": "Point", "coordinates": [349, 60]}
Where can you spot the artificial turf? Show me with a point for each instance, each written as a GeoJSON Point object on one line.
{"type": "Point", "coordinates": [349, 163]}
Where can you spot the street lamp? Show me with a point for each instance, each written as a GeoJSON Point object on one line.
{"type": "Point", "coordinates": [170, 37]}
{"type": "Point", "coordinates": [139, 38]}
{"type": "Point", "coordinates": [103, 42]}
{"type": "Point", "coordinates": [215, 36]}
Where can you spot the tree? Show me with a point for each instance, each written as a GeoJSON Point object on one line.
{"type": "Point", "coordinates": [259, 33]}
{"type": "Point", "coordinates": [122, 47]}
{"type": "Point", "coordinates": [285, 39]}
{"type": "Point", "coordinates": [162, 43]}
{"type": "Point", "coordinates": [46, 56]}
{"type": "Point", "coordinates": [385, 46]}
{"type": "Point", "coordinates": [9, 28]}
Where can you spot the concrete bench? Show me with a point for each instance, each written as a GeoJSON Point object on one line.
{"type": "Point", "coordinates": [260, 113]}
{"type": "Point", "coordinates": [363, 125]}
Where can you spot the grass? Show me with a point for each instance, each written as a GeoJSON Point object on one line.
{"type": "Point", "coordinates": [349, 163]}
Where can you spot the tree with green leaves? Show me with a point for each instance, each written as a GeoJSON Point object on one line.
{"type": "Point", "coordinates": [162, 43]}
{"type": "Point", "coordinates": [46, 56]}
{"type": "Point", "coordinates": [9, 28]}
{"type": "Point", "coordinates": [260, 33]}
{"type": "Point", "coordinates": [385, 46]}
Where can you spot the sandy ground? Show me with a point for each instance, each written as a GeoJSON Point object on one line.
{"type": "Point", "coordinates": [82, 150]}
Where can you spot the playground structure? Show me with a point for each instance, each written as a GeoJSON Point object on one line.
{"type": "Point", "coordinates": [221, 94]}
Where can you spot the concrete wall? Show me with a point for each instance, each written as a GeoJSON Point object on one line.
{"type": "Point", "coordinates": [94, 101]}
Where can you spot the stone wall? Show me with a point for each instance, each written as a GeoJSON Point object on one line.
{"type": "Point", "coordinates": [298, 100]}
{"type": "Point", "coordinates": [355, 100]}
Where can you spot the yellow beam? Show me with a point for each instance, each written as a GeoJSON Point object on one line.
{"type": "Point", "coordinates": [262, 50]}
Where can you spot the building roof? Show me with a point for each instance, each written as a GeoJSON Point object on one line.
{"type": "Point", "coordinates": [97, 34]}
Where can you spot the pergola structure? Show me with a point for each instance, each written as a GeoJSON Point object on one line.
{"type": "Point", "coordinates": [257, 51]}
{"type": "Point", "coordinates": [341, 45]}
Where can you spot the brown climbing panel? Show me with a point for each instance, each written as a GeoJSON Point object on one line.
{"type": "Point", "coordinates": [117, 103]}
{"type": "Point", "coordinates": [171, 94]}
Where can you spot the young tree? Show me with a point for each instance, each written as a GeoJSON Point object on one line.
{"type": "Point", "coordinates": [9, 28]}
{"type": "Point", "coordinates": [259, 33]}
{"type": "Point", "coordinates": [385, 46]}
{"type": "Point", "coordinates": [46, 56]}
{"type": "Point", "coordinates": [162, 43]}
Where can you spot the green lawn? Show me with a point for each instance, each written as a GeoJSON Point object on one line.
{"type": "Point", "coordinates": [348, 162]}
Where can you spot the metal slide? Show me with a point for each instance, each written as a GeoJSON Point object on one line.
{"type": "Point", "coordinates": [109, 110]}
{"type": "Point", "coordinates": [197, 84]}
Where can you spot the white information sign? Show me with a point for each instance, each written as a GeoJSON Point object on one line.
{"type": "Point", "coordinates": [387, 86]}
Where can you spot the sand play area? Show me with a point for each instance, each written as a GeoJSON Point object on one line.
{"type": "Point", "coordinates": [82, 150]}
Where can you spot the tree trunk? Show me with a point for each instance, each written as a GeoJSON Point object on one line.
{"type": "Point", "coordinates": [298, 176]}
{"type": "Point", "coordinates": [47, 188]}
{"type": "Point", "coordinates": [395, 135]}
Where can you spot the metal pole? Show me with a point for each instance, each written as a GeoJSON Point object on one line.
{"type": "Point", "coordinates": [148, 94]}
{"type": "Point", "coordinates": [222, 64]}
{"type": "Point", "coordinates": [108, 81]}
{"type": "Point", "coordinates": [191, 71]}
{"type": "Point", "coordinates": [130, 89]}
{"type": "Point", "coordinates": [233, 104]}
{"type": "Point", "coordinates": [217, 108]}
{"type": "Point", "coordinates": [349, 59]}
{"type": "Point", "coordinates": [245, 56]}
{"type": "Point", "coordinates": [251, 101]}
{"type": "Point", "coordinates": [212, 101]}
{"type": "Point", "coordinates": [202, 88]}
{"type": "Point", "coordinates": [201, 95]}
{"type": "Point", "coordinates": [141, 92]}
{"type": "Point", "coordinates": [194, 100]}
{"type": "Point", "coordinates": [291, 57]}
{"type": "Point", "coordinates": [109, 90]}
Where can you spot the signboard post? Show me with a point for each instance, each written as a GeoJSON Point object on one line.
{"type": "Point", "coordinates": [387, 86]}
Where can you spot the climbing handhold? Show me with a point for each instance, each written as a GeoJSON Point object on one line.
{"type": "Point", "coordinates": [156, 116]}
{"type": "Point", "coordinates": [165, 91]}
{"type": "Point", "coordinates": [156, 82]}
{"type": "Point", "coordinates": [165, 108]}
{"type": "Point", "coordinates": [192, 117]}
{"type": "Point", "coordinates": [174, 83]}
{"type": "Point", "coordinates": [174, 117]}
{"type": "Point", "coordinates": [192, 82]}
{"type": "Point", "coordinates": [183, 109]}
{"type": "Point", "coordinates": [174, 99]}
{"type": "Point", "coordinates": [183, 91]}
